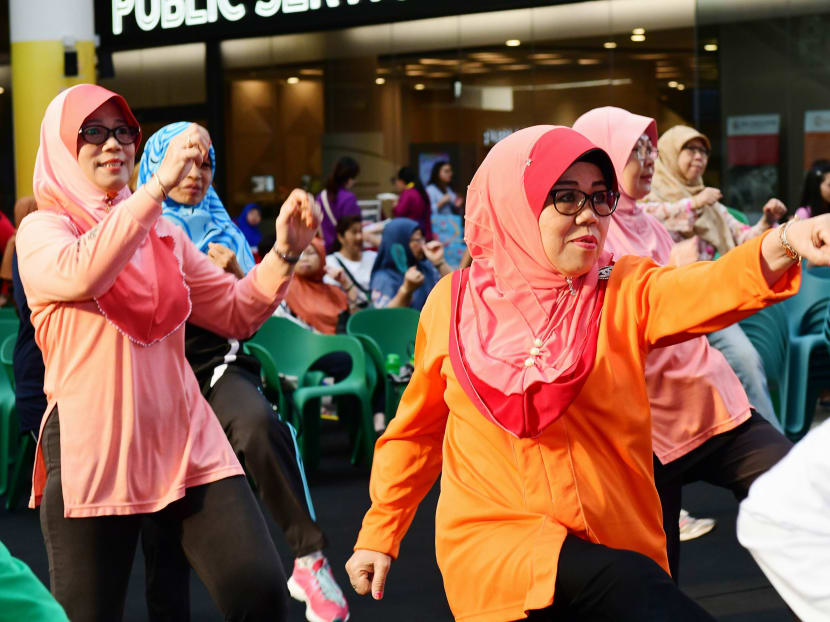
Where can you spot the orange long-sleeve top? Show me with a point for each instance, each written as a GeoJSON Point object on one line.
{"type": "Point", "coordinates": [507, 503]}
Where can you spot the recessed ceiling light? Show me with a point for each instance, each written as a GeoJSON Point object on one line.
{"type": "Point", "coordinates": [293, 80]}
{"type": "Point", "coordinates": [420, 86]}
{"type": "Point", "coordinates": [638, 31]}
{"type": "Point", "coordinates": [2, 90]}
{"type": "Point", "coordinates": [681, 87]}
{"type": "Point", "coordinates": [609, 45]}
{"type": "Point", "coordinates": [380, 80]}
{"type": "Point", "coordinates": [638, 38]}
{"type": "Point", "coordinates": [513, 43]}
{"type": "Point", "coordinates": [672, 84]}
{"type": "Point", "coordinates": [711, 47]}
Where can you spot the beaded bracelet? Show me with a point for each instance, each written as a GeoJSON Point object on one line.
{"type": "Point", "coordinates": [782, 239]}
{"type": "Point", "coordinates": [289, 259]}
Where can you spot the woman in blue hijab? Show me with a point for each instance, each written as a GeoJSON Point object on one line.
{"type": "Point", "coordinates": [230, 381]}
{"type": "Point", "coordinates": [248, 223]}
{"type": "Point", "coordinates": [406, 268]}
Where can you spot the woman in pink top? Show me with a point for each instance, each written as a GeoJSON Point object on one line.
{"type": "Point", "coordinates": [127, 435]}
{"type": "Point", "coordinates": [702, 425]}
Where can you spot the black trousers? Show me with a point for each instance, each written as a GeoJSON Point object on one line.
{"type": "Point", "coordinates": [265, 447]}
{"type": "Point", "coordinates": [218, 526]}
{"type": "Point", "coordinates": [731, 460]}
{"type": "Point", "coordinates": [595, 583]}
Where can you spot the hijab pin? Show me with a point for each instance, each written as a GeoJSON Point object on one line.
{"type": "Point", "coordinates": [570, 285]}
{"type": "Point", "coordinates": [528, 162]}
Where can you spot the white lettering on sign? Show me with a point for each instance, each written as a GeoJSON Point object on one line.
{"type": "Point", "coordinates": [170, 14]}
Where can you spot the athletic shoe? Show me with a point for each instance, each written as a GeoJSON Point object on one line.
{"type": "Point", "coordinates": [691, 527]}
{"type": "Point", "coordinates": [315, 586]}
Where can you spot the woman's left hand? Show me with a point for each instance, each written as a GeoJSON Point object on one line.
{"type": "Point", "coordinates": [774, 210]}
{"type": "Point", "coordinates": [297, 223]}
{"type": "Point", "coordinates": [811, 239]}
{"type": "Point", "coordinates": [225, 258]}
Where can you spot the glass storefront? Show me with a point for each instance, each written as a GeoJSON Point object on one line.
{"type": "Point", "coordinates": [350, 78]}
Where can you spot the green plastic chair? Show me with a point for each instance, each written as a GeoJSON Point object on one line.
{"type": "Point", "coordinates": [809, 363]}
{"type": "Point", "coordinates": [8, 421]}
{"type": "Point", "coordinates": [383, 332]}
{"type": "Point", "coordinates": [283, 346]}
{"type": "Point", "coordinates": [24, 455]}
{"type": "Point", "coordinates": [767, 330]}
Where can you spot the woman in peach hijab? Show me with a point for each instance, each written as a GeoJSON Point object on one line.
{"type": "Point", "coordinates": [127, 436]}
{"type": "Point", "coordinates": [702, 423]}
{"type": "Point", "coordinates": [529, 397]}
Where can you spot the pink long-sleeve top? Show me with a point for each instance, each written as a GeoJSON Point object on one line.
{"type": "Point", "coordinates": [135, 431]}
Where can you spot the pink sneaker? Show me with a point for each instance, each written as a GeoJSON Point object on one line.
{"type": "Point", "coordinates": [316, 587]}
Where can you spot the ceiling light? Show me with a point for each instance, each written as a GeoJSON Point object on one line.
{"type": "Point", "coordinates": [638, 38]}
{"type": "Point", "coordinates": [672, 84]}
{"type": "Point", "coordinates": [2, 90]}
{"type": "Point", "coordinates": [311, 72]}
{"type": "Point", "coordinates": [588, 61]}
{"type": "Point", "coordinates": [380, 81]}
{"type": "Point", "coordinates": [681, 87]}
{"type": "Point", "coordinates": [420, 86]}
{"type": "Point", "coordinates": [711, 47]}
{"type": "Point", "coordinates": [554, 61]}
{"type": "Point", "coordinates": [513, 43]}
{"type": "Point", "coordinates": [293, 80]}
{"type": "Point", "coordinates": [638, 31]}
{"type": "Point", "coordinates": [609, 45]}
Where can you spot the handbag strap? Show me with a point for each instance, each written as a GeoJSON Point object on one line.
{"type": "Point", "coordinates": [327, 208]}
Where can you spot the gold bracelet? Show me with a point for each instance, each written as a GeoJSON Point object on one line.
{"type": "Point", "coordinates": [785, 243]}
{"type": "Point", "coordinates": [161, 188]}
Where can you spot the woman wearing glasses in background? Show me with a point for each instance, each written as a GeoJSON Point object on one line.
{"type": "Point", "coordinates": [128, 436]}
{"type": "Point", "coordinates": [703, 428]}
{"type": "Point", "coordinates": [529, 397]}
{"type": "Point", "coordinates": [695, 217]}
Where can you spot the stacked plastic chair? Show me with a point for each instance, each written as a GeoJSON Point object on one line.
{"type": "Point", "coordinates": [383, 332]}
{"type": "Point", "coordinates": [789, 338]}
{"type": "Point", "coordinates": [285, 348]}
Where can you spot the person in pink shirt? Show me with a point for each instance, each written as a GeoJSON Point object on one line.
{"type": "Point", "coordinates": [703, 427]}
{"type": "Point", "coordinates": [127, 436]}
{"type": "Point", "coordinates": [413, 201]}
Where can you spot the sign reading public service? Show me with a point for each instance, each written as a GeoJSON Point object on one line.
{"type": "Point", "coordinates": [139, 23]}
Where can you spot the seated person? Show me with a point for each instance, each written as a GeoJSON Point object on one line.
{"type": "Point", "coordinates": [350, 257]}
{"type": "Point", "coordinates": [406, 269]}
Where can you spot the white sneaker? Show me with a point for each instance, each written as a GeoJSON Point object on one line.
{"type": "Point", "coordinates": [379, 419]}
{"type": "Point", "coordinates": [691, 527]}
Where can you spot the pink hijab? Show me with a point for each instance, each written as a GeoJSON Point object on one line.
{"type": "Point", "coordinates": [632, 232]}
{"type": "Point", "coordinates": [515, 306]}
{"type": "Point", "coordinates": [149, 299]}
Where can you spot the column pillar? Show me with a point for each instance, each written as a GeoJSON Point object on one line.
{"type": "Point", "coordinates": [41, 31]}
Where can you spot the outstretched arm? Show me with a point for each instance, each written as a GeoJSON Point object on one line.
{"type": "Point", "coordinates": [407, 458]}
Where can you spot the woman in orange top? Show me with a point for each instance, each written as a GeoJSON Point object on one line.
{"type": "Point", "coordinates": [529, 398]}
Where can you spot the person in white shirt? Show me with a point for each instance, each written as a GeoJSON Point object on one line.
{"type": "Point", "coordinates": [351, 259]}
{"type": "Point", "coordinates": [784, 524]}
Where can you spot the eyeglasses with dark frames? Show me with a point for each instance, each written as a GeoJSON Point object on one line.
{"type": "Point", "coordinates": [699, 150]}
{"type": "Point", "coordinates": [569, 202]}
{"type": "Point", "coordinates": [99, 134]}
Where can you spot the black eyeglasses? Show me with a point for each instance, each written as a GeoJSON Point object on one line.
{"type": "Point", "coordinates": [570, 202]}
{"type": "Point", "coordinates": [99, 134]}
{"type": "Point", "coordinates": [699, 150]}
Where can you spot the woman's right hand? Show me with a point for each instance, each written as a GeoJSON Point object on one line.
{"type": "Point", "coordinates": [367, 570]}
{"type": "Point", "coordinates": [707, 196]}
{"type": "Point", "coordinates": [190, 148]}
{"type": "Point", "coordinates": [412, 280]}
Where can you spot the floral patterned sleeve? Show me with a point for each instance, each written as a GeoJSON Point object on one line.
{"type": "Point", "coordinates": [678, 217]}
{"type": "Point", "coordinates": [741, 232]}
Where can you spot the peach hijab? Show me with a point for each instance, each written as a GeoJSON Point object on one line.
{"type": "Point", "coordinates": [316, 303]}
{"type": "Point", "coordinates": [514, 306]}
{"type": "Point", "coordinates": [149, 299]}
{"type": "Point", "coordinates": [631, 232]}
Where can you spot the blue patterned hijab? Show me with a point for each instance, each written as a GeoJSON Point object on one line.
{"type": "Point", "coordinates": [206, 222]}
